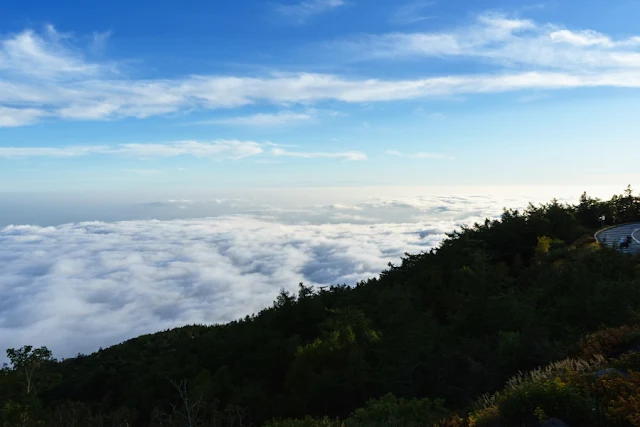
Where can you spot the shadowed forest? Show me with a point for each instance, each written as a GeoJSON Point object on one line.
{"type": "Point", "coordinates": [510, 322]}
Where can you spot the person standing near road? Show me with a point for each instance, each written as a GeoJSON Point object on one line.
{"type": "Point", "coordinates": [623, 243]}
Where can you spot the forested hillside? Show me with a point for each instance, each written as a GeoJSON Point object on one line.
{"type": "Point", "coordinates": [429, 336]}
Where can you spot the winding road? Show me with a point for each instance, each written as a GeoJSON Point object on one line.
{"type": "Point", "coordinates": [611, 236]}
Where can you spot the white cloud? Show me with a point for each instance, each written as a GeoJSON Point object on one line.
{"type": "Point", "coordinates": [28, 53]}
{"type": "Point", "coordinates": [99, 40]}
{"type": "Point", "coordinates": [40, 76]}
{"type": "Point", "coordinates": [342, 206]}
{"type": "Point", "coordinates": [88, 111]}
{"type": "Point", "coordinates": [504, 41]}
{"type": "Point", "coordinates": [220, 149]}
{"type": "Point", "coordinates": [11, 117]}
{"type": "Point", "coordinates": [172, 202]}
{"type": "Point", "coordinates": [304, 88]}
{"type": "Point", "coordinates": [115, 99]}
{"type": "Point", "coordinates": [419, 155]}
{"type": "Point", "coordinates": [345, 155]}
{"type": "Point", "coordinates": [300, 11]}
{"type": "Point", "coordinates": [76, 287]}
{"type": "Point", "coordinates": [79, 286]}
{"type": "Point", "coordinates": [217, 149]}
{"type": "Point", "coordinates": [264, 119]}
{"type": "Point", "coordinates": [73, 151]}
{"type": "Point", "coordinates": [581, 38]}
{"type": "Point", "coordinates": [411, 13]}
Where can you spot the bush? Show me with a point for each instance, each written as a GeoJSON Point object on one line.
{"type": "Point", "coordinates": [628, 362]}
{"type": "Point", "coordinates": [553, 397]}
{"type": "Point", "coordinates": [306, 422]}
{"type": "Point", "coordinates": [391, 411]}
{"type": "Point", "coordinates": [605, 342]}
{"type": "Point", "coordinates": [486, 417]}
{"type": "Point", "coordinates": [622, 397]}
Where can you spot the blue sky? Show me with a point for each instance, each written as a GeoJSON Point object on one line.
{"type": "Point", "coordinates": [142, 96]}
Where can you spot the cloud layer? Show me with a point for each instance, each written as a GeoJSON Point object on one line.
{"type": "Point", "coordinates": [42, 78]}
{"type": "Point", "coordinates": [79, 286]}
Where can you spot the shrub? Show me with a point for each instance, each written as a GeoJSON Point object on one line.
{"type": "Point", "coordinates": [305, 422]}
{"type": "Point", "coordinates": [553, 397]}
{"type": "Point", "coordinates": [564, 368]}
{"type": "Point", "coordinates": [391, 411]}
{"type": "Point", "coordinates": [604, 342]}
{"type": "Point", "coordinates": [628, 362]}
{"type": "Point", "coordinates": [621, 394]}
{"type": "Point", "coordinates": [452, 421]}
{"type": "Point", "coordinates": [486, 417]}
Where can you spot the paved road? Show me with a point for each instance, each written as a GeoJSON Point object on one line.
{"type": "Point", "coordinates": [611, 236]}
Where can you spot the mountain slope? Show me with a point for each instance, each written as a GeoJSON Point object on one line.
{"type": "Point", "coordinates": [494, 299]}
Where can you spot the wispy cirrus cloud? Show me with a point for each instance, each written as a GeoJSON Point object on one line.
{"type": "Point", "coordinates": [31, 54]}
{"type": "Point", "coordinates": [265, 119]}
{"type": "Point", "coordinates": [43, 78]}
{"type": "Point", "coordinates": [12, 117]}
{"type": "Point", "coordinates": [71, 151]}
{"type": "Point", "coordinates": [419, 155]}
{"type": "Point", "coordinates": [99, 40]}
{"type": "Point", "coordinates": [219, 149]}
{"type": "Point", "coordinates": [411, 13]}
{"type": "Point", "coordinates": [300, 11]}
{"type": "Point", "coordinates": [345, 155]}
{"type": "Point", "coordinates": [505, 41]}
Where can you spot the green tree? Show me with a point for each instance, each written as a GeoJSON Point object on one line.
{"type": "Point", "coordinates": [330, 375]}
{"type": "Point", "coordinates": [27, 375]}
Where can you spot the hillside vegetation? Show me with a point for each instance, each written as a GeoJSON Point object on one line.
{"type": "Point", "coordinates": [493, 328]}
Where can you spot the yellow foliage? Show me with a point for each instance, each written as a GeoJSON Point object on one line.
{"type": "Point", "coordinates": [540, 414]}
{"type": "Point", "coordinates": [453, 421]}
{"type": "Point", "coordinates": [604, 342]}
{"type": "Point", "coordinates": [543, 246]}
{"type": "Point", "coordinates": [567, 369]}
{"type": "Point", "coordinates": [484, 417]}
{"type": "Point", "coordinates": [621, 395]}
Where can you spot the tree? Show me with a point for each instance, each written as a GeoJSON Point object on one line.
{"type": "Point", "coordinates": [28, 362]}
{"type": "Point", "coordinates": [331, 374]}
{"type": "Point", "coordinates": [28, 375]}
{"type": "Point", "coordinates": [543, 246]}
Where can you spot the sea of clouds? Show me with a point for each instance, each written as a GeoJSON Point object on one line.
{"type": "Point", "coordinates": [75, 287]}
